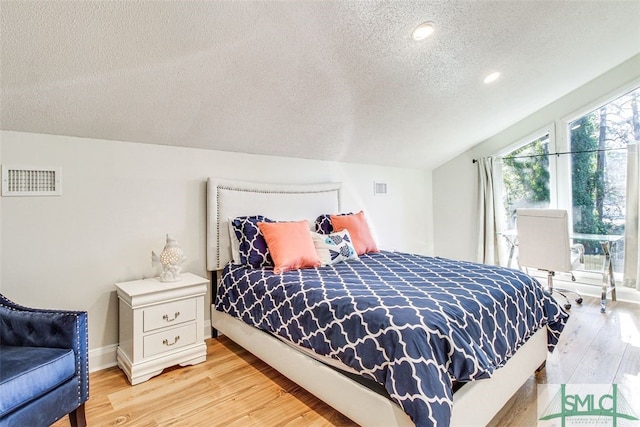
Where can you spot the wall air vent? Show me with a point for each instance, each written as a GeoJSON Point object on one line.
{"type": "Point", "coordinates": [31, 181]}
{"type": "Point", "coordinates": [379, 188]}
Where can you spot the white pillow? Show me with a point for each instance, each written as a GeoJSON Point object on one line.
{"type": "Point", "coordinates": [235, 243]}
{"type": "Point", "coordinates": [335, 247]}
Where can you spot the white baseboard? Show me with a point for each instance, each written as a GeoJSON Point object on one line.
{"type": "Point", "coordinates": [105, 357]}
{"type": "Point", "coordinates": [102, 358]}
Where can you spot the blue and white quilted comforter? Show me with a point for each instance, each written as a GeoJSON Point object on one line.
{"type": "Point", "coordinates": [411, 323]}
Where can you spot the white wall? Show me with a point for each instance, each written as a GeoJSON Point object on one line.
{"type": "Point", "coordinates": [119, 199]}
{"type": "Point", "coordinates": [455, 183]}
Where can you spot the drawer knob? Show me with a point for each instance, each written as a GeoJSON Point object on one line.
{"type": "Point", "coordinates": [175, 316]}
{"type": "Point", "coordinates": [168, 344]}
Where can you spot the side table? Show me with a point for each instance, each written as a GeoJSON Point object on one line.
{"type": "Point", "coordinates": [161, 325]}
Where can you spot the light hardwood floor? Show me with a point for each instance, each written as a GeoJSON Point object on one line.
{"type": "Point", "coordinates": [234, 388]}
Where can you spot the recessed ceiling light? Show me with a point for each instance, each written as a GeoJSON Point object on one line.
{"type": "Point", "coordinates": [423, 31]}
{"type": "Point", "coordinates": [492, 77]}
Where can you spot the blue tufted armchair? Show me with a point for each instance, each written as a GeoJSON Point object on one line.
{"type": "Point", "coordinates": [43, 365]}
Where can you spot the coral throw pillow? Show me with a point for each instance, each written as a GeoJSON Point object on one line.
{"type": "Point", "coordinates": [290, 245]}
{"type": "Point", "coordinates": [358, 229]}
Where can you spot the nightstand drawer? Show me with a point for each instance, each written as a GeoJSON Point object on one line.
{"type": "Point", "coordinates": [169, 340]}
{"type": "Point", "coordinates": [169, 314]}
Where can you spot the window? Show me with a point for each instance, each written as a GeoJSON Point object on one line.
{"type": "Point", "coordinates": [525, 177]}
{"type": "Point", "coordinates": [588, 176]}
{"type": "Point", "coordinates": [598, 142]}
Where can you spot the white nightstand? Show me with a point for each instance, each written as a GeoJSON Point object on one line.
{"type": "Point", "coordinates": [161, 325]}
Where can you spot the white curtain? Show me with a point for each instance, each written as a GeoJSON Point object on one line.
{"type": "Point", "coordinates": [489, 211]}
{"type": "Point", "coordinates": [631, 233]}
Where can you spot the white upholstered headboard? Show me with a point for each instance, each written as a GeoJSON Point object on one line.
{"type": "Point", "coordinates": [279, 202]}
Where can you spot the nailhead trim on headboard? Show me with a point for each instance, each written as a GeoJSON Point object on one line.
{"type": "Point", "coordinates": [217, 187]}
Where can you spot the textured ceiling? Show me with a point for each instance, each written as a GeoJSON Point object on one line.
{"type": "Point", "coordinates": [333, 80]}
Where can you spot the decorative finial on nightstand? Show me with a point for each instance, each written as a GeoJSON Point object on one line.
{"type": "Point", "coordinates": [171, 259]}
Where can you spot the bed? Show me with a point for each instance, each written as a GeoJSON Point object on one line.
{"type": "Point", "coordinates": [415, 390]}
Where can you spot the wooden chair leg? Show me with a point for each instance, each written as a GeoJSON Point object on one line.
{"type": "Point", "coordinates": [77, 417]}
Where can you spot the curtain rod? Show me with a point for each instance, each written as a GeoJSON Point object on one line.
{"type": "Point", "coordinates": [560, 152]}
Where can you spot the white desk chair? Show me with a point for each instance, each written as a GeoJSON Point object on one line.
{"type": "Point", "coordinates": [544, 244]}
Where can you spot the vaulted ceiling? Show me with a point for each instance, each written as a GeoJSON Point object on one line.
{"type": "Point", "coordinates": [332, 80]}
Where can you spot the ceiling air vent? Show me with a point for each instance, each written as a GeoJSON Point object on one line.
{"type": "Point", "coordinates": [31, 181]}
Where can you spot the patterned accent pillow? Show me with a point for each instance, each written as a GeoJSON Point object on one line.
{"type": "Point", "coordinates": [334, 248]}
{"type": "Point", "coordinates": [252, 246]}
{"type": "Point", "coordinates": [323, 224]}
